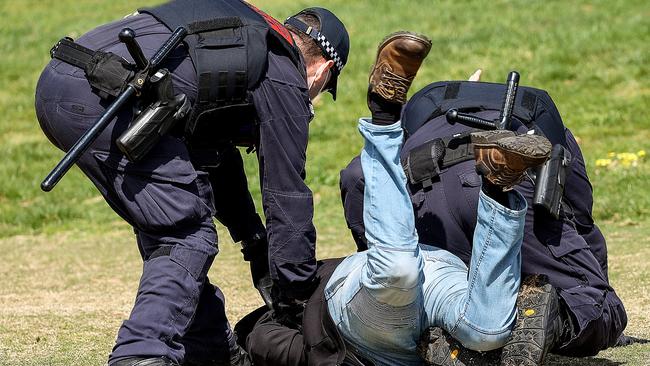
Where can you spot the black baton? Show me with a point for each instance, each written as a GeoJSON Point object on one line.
{"type": "Point", "coordinates": [508, 101]}
{"type": "Point", "coordinates": [91, 135]}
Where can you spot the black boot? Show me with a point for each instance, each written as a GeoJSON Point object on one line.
{"type": "Point", "coordinates": [539, 325]}
{"type": "Point", "coordinates": [437, 348]}
{"type": "Point", "coordinates": [144, 361]}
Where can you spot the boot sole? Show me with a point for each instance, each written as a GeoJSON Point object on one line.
{"type": "Point", "coordinates": [528, 343]}
{"type": "Point", "coordinates": [442, 350]}
{"type": "Point", "coordinates": [533, 148]}
{"type": "Point", "coordinates": [486, 137]}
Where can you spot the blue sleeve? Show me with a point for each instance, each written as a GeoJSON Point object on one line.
{"type": "Point", "coordinates": [284, 112]}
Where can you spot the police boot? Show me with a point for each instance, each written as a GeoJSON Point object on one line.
{"type": "Point", "coordinates": [256, 252]}
{"type": "Point", "coordinates": [502, 158]}
{"type": "Point", "coordinates": [398, 59]}
{"type": "Point", "coordinates": [539, 326]}
{"type": "Point", "coordinates": [437, 348]}
{"type": "Point", "coordinates": [144, 361]}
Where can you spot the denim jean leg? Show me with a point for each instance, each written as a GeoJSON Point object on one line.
{"type": "Point", "coordinates": [384, 307]}
{"type": "Point", "coordinates": [488, 310]}
{"type": "Point", "coordinates": [394, 265]}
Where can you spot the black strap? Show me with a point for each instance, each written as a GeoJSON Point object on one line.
{"type": "Point", "coordinates": [107, 73]}
{"type": "Point", "coordinates": [70, 52]}
{"type": "Point", "coordinates": [424, 163]}
{"type": "Point", "coordinates": [458, 148]}
{"type": "Point", "coordinates": [451, 90]}
{"type": "Point", "coordinates": [215, 24]}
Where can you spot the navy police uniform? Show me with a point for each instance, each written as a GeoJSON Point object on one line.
{"type": "Point", "coordinates": [170, 197]}
{"type": "Point", "coordinates": [570, 250]}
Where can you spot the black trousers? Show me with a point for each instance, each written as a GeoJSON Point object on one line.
{"type": "Point", "coordinates": [268, 342]}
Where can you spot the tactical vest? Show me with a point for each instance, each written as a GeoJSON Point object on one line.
{"type": "Point", "coordinates": [228, 43]}
{"type": "Point", "coordinates": [533, 107]}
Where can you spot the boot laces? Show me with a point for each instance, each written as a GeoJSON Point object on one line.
{"type": "Point", "coordinates": [393, 83]}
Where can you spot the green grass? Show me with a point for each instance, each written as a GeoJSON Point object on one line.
{"type": "Point", "coordinates": [70, 266]}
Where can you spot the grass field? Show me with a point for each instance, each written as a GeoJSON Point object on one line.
{"type": "Point", "coordinates": [70, 267]}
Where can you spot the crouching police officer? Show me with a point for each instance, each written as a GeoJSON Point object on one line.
{"type": "Point", "coordinates": [570, 249]}
{"type": "Point", "coordinates": [249, 80]}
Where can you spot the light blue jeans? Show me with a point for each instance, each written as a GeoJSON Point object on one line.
{"type": "Point", "coordinates": [382, 299]}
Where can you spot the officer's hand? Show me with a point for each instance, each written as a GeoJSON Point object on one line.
{"type": "Point", "coordinates": [476, 76]}
{"type": "Point", "coordinates": [255, 251]}
{"type": "Point", "coordinates": [262, 281]}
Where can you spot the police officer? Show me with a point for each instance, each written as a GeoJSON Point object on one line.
{"type": "Point", "coordinates": [242, 71]}
{"type": "Point", "coordinates": [570, 250]}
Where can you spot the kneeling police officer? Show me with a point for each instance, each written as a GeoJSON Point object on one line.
{"type": "Point", "coordinates": [249, 81]}
{"type": "Point", "coordinates": [570, 249]}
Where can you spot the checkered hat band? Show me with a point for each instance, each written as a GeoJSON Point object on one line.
{"type": "Point", "coordinates": [330, 51]}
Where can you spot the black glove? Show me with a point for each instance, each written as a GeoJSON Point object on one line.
{"type": "Point", "coordinates": [288, 312]}
{"type": "Point", "coordinates": [256, 251]}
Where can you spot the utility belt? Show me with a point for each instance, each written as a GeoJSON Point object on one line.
{"type": "Point", "coordinates": [424, 163]}
{"type": "Point", "coordinates": [159, 111]}
{"type": "Point", "coordinates": [107, 73]}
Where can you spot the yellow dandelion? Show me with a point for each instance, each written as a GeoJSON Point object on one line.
{"type": "Point", "coordinates": [640, 153]}
{"type": "Point", "coordinates": [626, 156]}
{"type": "Point", "coordinates": [611, 154]}
{"type": "Point", "coordinates": [603, 162]}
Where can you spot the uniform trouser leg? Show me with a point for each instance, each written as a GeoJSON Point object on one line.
{"type": "Point", "coordinates": [555, 248]}
{"type": "Point", "coordinates": [174, 294]}
{"type": "Point", "coordinates": [579, 197]}
{"type": "Point", "coordinates": [597, 313]}
{"type": "Point", "coordinates": [233, 202]}
{"type": "Point", "coordinates": [209, 337]}
{"type": "Point", "coordinates": [168, 202]}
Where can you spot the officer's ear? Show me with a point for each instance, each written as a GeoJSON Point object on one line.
{"type": "Point", "coordinates": [321, 74]}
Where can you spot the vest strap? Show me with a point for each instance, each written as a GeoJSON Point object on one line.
{"type": "Point", "coordinates": [424, 163]}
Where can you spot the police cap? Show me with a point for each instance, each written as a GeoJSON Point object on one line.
{"type": "Point", "coordinates": [333, 40]}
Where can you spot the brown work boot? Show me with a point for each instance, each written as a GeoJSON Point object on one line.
{"type": "Point", "coordinates": [503, 159]}
{"type": "Point", "coordinates": [398, 59]}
